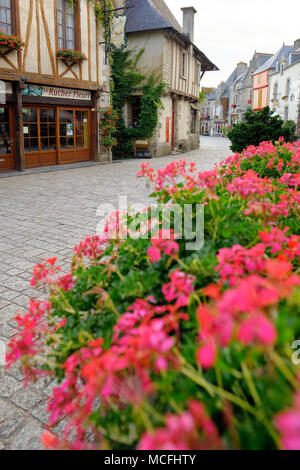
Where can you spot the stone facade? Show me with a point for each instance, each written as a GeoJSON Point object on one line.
{"type": "Point", "coordinates": [284, 86]}
{"type": "Point", "coordinates": [226, 105]}
{"type": "Point", "coordinates": [170, 54]}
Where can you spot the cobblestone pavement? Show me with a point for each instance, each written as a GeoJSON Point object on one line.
{"type": "Point", "coordinates": [44, 215]}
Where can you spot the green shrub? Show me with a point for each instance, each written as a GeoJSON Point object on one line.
{"type": "Point", "coordinates": [260, 126]}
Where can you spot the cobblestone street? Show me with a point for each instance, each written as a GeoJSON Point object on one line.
{"type": "Point", "coordinates": [44, 215]}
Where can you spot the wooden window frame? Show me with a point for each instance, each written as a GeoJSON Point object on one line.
{"type": "Point", "coordinates": [77, 25]}
{"type": "Point", "coordinates": [184, 65]}
{"type": "Point", "coordinates": [15, 17]}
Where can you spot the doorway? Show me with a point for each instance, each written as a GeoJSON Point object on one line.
{"type": "Point", "coordinates": [56, 135]}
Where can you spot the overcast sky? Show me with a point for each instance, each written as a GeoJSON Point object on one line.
{"type": "Point", "coordinates": [229, 31]}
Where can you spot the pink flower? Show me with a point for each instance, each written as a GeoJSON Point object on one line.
{"type": "Point", "coordinates": [288, 424]}
{"type": "Point", "coordinates": [154, 254]}
{"type": "Point", "coordinates": [257, 328]}
{"type": "Point", "coordinates": [207, 355]}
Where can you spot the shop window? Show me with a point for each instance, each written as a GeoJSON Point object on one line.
{"type": "Point", "coordinates": [5, 147]}
{"type": "Point", "coordinates": [30, 128]}
{"type": "Point", "coordinates": [66, 127]}
{"type": "Point", "coordinates": [47, 129]}
{"type": "Point", "coordinates": [82, 129]}
{"type": "Point", "coordinates": [66, 24]}
{"type": "Point", "coordinates": [6, 23]}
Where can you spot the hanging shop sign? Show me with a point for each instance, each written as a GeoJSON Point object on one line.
{"type": "Point", "coordinates": [55, 92]}
{"type": "Point", "coordinates": [118, 39]}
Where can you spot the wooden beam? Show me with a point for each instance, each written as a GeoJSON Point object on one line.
{"type": "Point", "coordinates": [7, 74]}
{"type": "Point", "coordinates": [19, 135]}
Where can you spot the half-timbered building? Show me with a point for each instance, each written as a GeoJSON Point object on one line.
{"type": "Point", "coordinates": [49, 102]}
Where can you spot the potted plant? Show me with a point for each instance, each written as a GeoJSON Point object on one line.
{"type": "Point", "coordinates": [71, 55]}
{"type": "Point", "coordinates": [9, 42]}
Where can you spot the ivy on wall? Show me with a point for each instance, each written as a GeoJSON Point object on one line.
{"type": "Point", "coordinates": [99, 8]}
{"type": "Point", "coordinates": [127, 79]}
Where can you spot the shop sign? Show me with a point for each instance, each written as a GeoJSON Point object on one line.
{"type": "Point", "coordinates": [55, 92]}
{"type": "Point", "coordinates": [118, 39]}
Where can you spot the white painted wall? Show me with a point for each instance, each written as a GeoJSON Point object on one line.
{"type": "Point", "coordinates": [293, 73]}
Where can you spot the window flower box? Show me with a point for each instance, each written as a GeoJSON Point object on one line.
{"type": "Point", "coordinates": [9, 42]}
{"type": "Point", "coordinates": [285, 97]}
{"type": "Point", "coordinates": [249, 101]}
{"type": "Point", "coordinates": [71, 55]}
{"type": "Point", "coordinates": [233, 105]}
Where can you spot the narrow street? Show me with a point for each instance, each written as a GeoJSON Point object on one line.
{"type": "Point", "coordinates": [44, 215]}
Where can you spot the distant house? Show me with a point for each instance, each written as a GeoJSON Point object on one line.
{"type": "Point", "coordinates": [261, 77]}
{"type": "Point", "coordinates": [226, 105]}
{"type": "Point", "coordinates": [284, 84]}
{"type": "Point", "coordinates": [169, 53]}
{"type": "Point", "coordinates": [241, 88]}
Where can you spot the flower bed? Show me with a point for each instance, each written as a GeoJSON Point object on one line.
{"type": "Point", "coordinates": [10, 41]}
{"type": "Point", "coordinates": [159, 347]}
{"type": "Point", "coordinates": [71, 55]}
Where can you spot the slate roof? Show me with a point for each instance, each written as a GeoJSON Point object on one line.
{"type": "Point", "coordinates": [262, 58]}
{"type": "Point", "coordinates": [295, 57]}
{"type": "Point", "coordinates": [148, 15]}
{"type": "Point", "coordinates": [271, 62]}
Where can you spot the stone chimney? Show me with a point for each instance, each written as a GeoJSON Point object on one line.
{"type": "Point", "coordinates": [189, 22]}
{"type": "Point", "coordinates": [241, 68]}
{"type": "Point", "coordinates": [297, 44]}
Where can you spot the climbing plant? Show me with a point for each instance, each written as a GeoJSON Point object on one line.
{"type": "Point", "coordinates": [126, 79]}
{"type": "Point", "coordinates": [99, 6]}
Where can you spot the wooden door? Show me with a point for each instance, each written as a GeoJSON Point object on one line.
{"type": "Point", "coordinates": [74, 135]}
{"type": "Point", "coordinates": [7, 145]}
{"type": "Point", "coordinates": [173, 126]}
{"type": "Point", "coordinates": [40, 136]}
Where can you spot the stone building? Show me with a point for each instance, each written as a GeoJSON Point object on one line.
{"type": "Point", "coordinates": [169, 53]}
{"type": "Point", "coordinates": [226, 104]}
{"type": "Point", "coordinates": [241, 89]}
{"type": "Point", "coordinates": [284, 86]}
{"type": "Point", "coordinates": [261, 77]}
{"type": "Point", "coordinates": [49, 103]}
